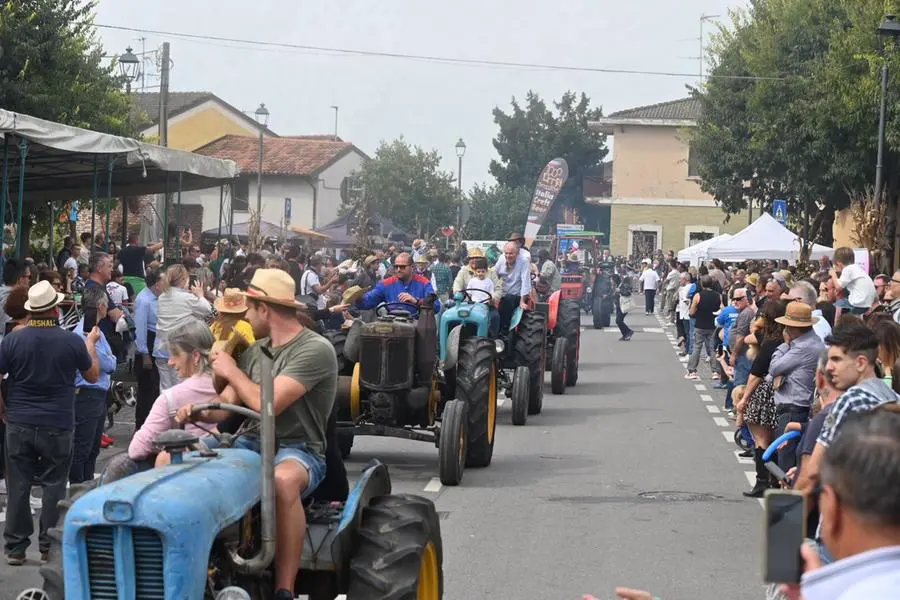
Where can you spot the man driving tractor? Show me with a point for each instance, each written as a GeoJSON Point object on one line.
{"type": "Point", "coordinates": [305, 383]}
{"type": "Point", "coordinates": [405, 286]}
{"type": "Point", "coordinates": [514, 270]}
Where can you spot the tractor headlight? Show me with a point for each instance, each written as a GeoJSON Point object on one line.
{"type": "Point", "coordinates": [233, 593]}
{"type": "Point", "coordinates": [463, 312]}
{"type": "Point", "coordinates": [500, 346]}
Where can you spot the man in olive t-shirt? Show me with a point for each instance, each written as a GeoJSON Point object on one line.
{"type": "Point", "coordinates": [305, 381]}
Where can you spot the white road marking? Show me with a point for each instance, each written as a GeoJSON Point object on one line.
{"type": "Point", "coordinates": [683, 359]}
{"type": "Point", "coordinates": [434, 485]}
{"type": "Point", "coordinates": [501, 401]}
{"type": "Point", "coordinates": [699, 387]}
{"type": "Point", "coordinates": [706, 397]}
{"type": "Point", "coordinates": [744, 460]}
{"type": "Point", "coordinates": [729, 436]}
{"type": "Point", "coordinates": [653, 330]}
{"type": "Point", "coordinates": [751, 477]}
{"type": "Point", "coordinates": [721, 421]}
{"type": "Point", "coordinates": [712, 409]}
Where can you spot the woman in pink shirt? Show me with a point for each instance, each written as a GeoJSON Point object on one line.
{"type": "Point", "coordinates": [189, 348]}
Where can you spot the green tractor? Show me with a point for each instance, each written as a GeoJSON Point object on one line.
{"type": "Point", "coordinates": [395, 386]}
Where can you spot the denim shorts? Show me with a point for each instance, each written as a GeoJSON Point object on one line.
{"type": "Point", "coordinates": [295, 451]}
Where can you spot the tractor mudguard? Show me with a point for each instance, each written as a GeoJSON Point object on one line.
{"type": "Point", "coordinates": [452, 348]}
{"type": "Point", "coordinates": [351, 344]}
{"type": "Point", "coordinates": [516, 317]}
{"type": "Point", "coordinates": [554, 309]}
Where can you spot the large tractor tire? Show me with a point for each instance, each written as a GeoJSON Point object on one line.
{"type": "Point", "coordinates": [337, 339]}
{"type": "Point", "coordinates": [529, 352]}
{"type": "Point", "coordinates": [452, 443]}
{"type": "Point", "coordinates": [559, 365]}
{"type": "Point", "coordinates": [398, 555]}
{"type": "Point", "coordinates": [597, 311]}
{"type": "Point", "coordinates": [568, 326]}
{"type": "Point", "coordinates": [476, 385]}
{"type": "Point", "coordinates": [52, 571]}
{"type": "Point", "coordinates": [518, 395]}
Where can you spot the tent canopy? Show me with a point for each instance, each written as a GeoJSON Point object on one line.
{"type": "Point", "coordinates": [61, 161]}
{"type": "Point", "coordinates": [697, 252]}
{"type": "Point", "coordinates": [340, 231]}
{"type": "Point", "coordinates": [241, 230]}
{"type": "Point", "coordinates": [764, 239]}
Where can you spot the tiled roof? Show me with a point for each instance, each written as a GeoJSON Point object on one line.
{"type": "Point", "coordinates": [297, 156]}
{"type": "Point", "coordinates": [147, 106]}
{"type": "Point", "coordinates": [686, 109]}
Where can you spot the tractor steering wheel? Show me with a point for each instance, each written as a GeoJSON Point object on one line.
{"type": "Point", "coordinates": [228, 439]}
{"type": "Point", "coordinates": [468, 296]}
{"type": "Point", "coordinates": [384, 309]}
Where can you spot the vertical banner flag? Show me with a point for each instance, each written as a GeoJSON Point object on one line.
{"type": "Point", "coordinates": [550, 182]}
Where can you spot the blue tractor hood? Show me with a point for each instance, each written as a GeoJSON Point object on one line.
{"type": "Point", "coordinates": [158, 520]}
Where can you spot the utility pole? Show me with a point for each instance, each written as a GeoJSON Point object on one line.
{"type": "Point", "coordinates": [704, 18]}
{"type": "Point", "coordinates": [162, 200]}
{"type": "Point", "coordinates": [335, 108]}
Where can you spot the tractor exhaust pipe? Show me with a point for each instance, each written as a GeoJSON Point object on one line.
{"type": "Point", "coordinates": [259, 563]}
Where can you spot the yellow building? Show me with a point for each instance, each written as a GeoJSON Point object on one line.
{"type": "Point", "coordinates": [656, 201]}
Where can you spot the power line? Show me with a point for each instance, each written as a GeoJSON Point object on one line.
{"type": "Point", "coordinates": [424, 57]}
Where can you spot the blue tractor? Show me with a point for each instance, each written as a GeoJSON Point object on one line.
{"type": "Point", "coordinates": [203, 528]}
{"type": "Point", "coordinates": [518, 355]}
{"type": "Point", "coordinates": [397, 387]}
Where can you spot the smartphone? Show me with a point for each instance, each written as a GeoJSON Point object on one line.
{"type": "Point", "coordinates": [785, 532]}
{"type": "Point", "coordinates": [193, 280]}
{"type": "Point", "coordinates": [90, 319]}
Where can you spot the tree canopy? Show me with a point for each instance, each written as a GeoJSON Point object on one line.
{"type": "Point", "coordinates": [496, 211]}
{"type": "Point", "coordinates": [791, 108]}
{"type": "Point", "coordinates": [405, 184]}
{"type": "Point", "coordinates": [532, 135]}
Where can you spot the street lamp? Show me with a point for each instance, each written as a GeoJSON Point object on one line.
{"type": "Point", "coordinates": [262, 117]}
{"type": "Point", "coordinates": [129, 67]}
{"type": "Point", "coordinates": [460, 152]}
{"type": "Point", "coordinates": [888, 28]}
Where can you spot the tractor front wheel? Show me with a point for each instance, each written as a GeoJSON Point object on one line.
{"type": "Point", "coordinates": [558, 366]}
{"type": "Point", "coordinates": [529, 352]}
{"type": "Point", "coordinates": [399, 552]}
{"type": "Point", "coordinates": [452, 444]}
{"type": "Point", "coordinates": [476, 385]}
{"type": "Point", "coordinates": [519, 395]}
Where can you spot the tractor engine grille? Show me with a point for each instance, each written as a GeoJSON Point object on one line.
{"type": "Point", "coordinates": [147, 549]}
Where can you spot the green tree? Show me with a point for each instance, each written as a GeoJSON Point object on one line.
{"type": "Point", "coordinates": [532, 135]}
{"type": "Point", "coordinates": [405, 184]}
{"type": "Point", "coordinates": [791, 109]}
{"type": "Point", "coordinates": [496, 211]}
{"type": "Point", "coordinates": [53, 67]}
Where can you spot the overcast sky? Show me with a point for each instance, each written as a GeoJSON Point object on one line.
{"type": "Point", "coordinates": [431, 104]}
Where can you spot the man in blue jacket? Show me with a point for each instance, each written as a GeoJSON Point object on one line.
{"type": "Point", "coordinates": [404, 286]}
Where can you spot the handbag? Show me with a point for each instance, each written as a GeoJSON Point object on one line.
{"type": "Point", "coordinates": [624, 303]}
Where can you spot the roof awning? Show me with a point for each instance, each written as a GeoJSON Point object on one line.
{"type": "Point", "coordinates": [61, 162]}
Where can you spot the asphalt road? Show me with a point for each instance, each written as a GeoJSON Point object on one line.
{"type": "Point", "coordinates": [627, 479]}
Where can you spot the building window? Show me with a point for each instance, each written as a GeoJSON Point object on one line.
{"type": "Point", "coordinates": [240, 200]}
{"type": "Point", "coordinates": [694, 234]}
{"type": "Point", "coordinates": [693, 168]}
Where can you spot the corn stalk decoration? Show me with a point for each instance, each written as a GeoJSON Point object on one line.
{"type": "Point", "coordinates": [870, 225]}
{"type": "Point", "coordinates": [254, 236]}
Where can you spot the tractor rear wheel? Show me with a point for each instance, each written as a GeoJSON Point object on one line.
{"type": "Point", "coordinates": [597, 311]}
{"type": "Point", "coordinates": [519, 395]}
{"type": "Point", "coordinates": [476, 385]}
{"type": "Point", "coordinates": [399, 553]}
{"type": "Point", "coordinates": [528, 350]}
{"type": "Point", "coordinates": [568, 326]}
{"type": "Point", "coordinates": [558, 366]}
{"type": "Point", "coordinates": [338, 339]}
{"type": "Point", "coordinates": [52, 571]}
{"type": "Point", "coordinates": [452, 443]}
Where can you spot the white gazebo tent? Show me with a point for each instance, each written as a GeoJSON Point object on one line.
{"type": "Point", "coordinates": [764, 239]}
{"type": "Point", "coordinates": [696, 253]}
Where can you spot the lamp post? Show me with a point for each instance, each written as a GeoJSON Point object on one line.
{"type": "Point", "coordinates": [129, 68]}
{"type": "Point", "coordinates": [889, 28]}
{"type": "Point", "coordinates": [460, 152]}
{"type": "Point", "coordinates": [262, 117]}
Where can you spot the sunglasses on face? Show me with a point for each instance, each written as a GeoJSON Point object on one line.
{"type": "Point", "coordinates": [397, 266]}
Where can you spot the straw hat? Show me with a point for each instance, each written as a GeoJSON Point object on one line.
{"type": "Point", "coordinates": [370, 259]}
{"type": "Point", "coordinates": [515, 237]}
{"type": "Point", "coordinates": [232, 301]}
{"type": "Point", "coordinates": [42, 297]}
{"type": "Point", "coordinates": [476, 253]}
{"type": "Point", "coordinates": [753, 278]}
{"type": "Point", "coordinates": [798, 314]}
{"type": "Point", "coordinates": [274, 286]}
{"type": "Point", "coordinates": [421, 260]}
{"type": "Point", "coordinates": [352, 294]}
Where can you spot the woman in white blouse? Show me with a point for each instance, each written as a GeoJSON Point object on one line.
{"type": "Point", "coordinates": [178, 304]}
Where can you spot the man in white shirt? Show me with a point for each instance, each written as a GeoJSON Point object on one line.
{"type": "Point", "coordinates": [847, 275]}
{"type": "Point", "coordinates": [72, 261]}
{"type": "Point", "coordinates": [650, 279]}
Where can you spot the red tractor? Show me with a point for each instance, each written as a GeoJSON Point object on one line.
{"type": "Point", "coordinates": [563, 338]}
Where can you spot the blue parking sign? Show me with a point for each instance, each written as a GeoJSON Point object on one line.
{"type": "Point", "coordinates": [779, 211]}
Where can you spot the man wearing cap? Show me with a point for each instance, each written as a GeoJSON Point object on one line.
{"type": "Point", "coordinates": [305, 374]}
{"type": "Point", "coordinates": [793, 369]}
{"type": "Point", "coordinates": [519, 239]}
{"type": "Point", "coordinates": [41, 361]}
{"type": "Point", "coordinates": [405, 286]}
